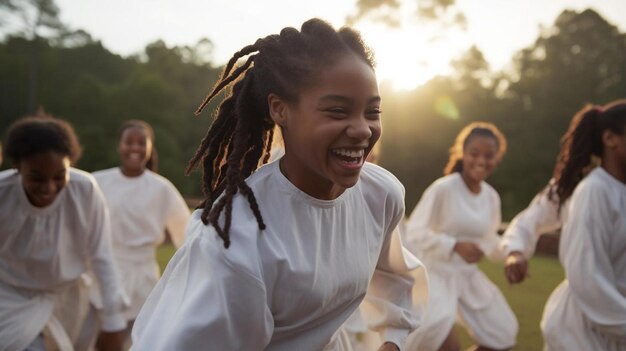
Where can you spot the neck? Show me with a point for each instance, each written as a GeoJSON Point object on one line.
{"type": "Point", "coordinates": [132, 172]}
{"type": "Point", "coordinates": [472, 185]}
{"type": "Point", "coordinates": [309, 182]}
{"type": "Point", "coordinates": [614, 168]}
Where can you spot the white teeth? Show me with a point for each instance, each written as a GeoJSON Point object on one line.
{"type": "Point", "coordinates": [350, 153]}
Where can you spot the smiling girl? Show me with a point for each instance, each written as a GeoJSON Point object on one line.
{"type": "Point", "coordinates": [452, 227]}
{"type": "Point", "coordinates": [278, 257]}
{"type": "Point", "coordinates": [53, 226]}
{"type": "Point", "coordinates": [143, 206]}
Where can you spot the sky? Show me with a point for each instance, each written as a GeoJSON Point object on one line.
{"type": "Point", "coordinates": [406, 56]}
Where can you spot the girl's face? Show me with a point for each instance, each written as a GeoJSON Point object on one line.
{"type": "Point", "coordinates": [134, 148]}
{"type": "Point", "coordinates": [480, 158]}
{"type": "Point", "coordinates": [331, 129]}
{"type": "Point", "coordinates": [44, 175]}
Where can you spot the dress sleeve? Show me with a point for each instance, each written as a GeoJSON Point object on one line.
{"type": "Point", "coordinates": [204, 301]}
{"type": "Point", "coordinates": [585, 254]}
{"type": "Point", "coordinates": [114, 299]}
{"type": "Point", "coordinates": [177, 216]}
{"type": "Point", "coordinates": [387, 307]}
{"type": "Point", "coordinates": [541, 216]}
{"type": "Point", "coordinates": [420, 237]}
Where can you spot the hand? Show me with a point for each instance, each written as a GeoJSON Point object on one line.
{"type": "Point", "coordinates": [470, 252]}
{"type": "Point", "coordinates": [111, 341]}
{"type": "Point", "coordinates": [516, 267]}
{"type": "Point", "coordinates": [388, 346]}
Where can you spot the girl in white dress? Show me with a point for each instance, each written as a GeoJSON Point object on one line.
{"type": "Point", "coordinates": [452, 227]}
{"type": "Point", "coordinates": [53, 226]}
{"type": "Point", "coordinates": [588, 310]}
{"type": "Point", "coordinates": [143, 205]}
{"type": "Point", "coordinates": [278, 257]}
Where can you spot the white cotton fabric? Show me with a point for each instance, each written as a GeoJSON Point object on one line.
{"type": "Point", "coordinates": [44, 252]}
{"type": "Point", "coordinates": [541, 216]}
{"type": "Point", "coordinates": [141, 208]}
{"type": "Point", "coordinates": [588, 310]}
{"type": "Point", "coordinates": [449, 212]}
{"type": "Point", "coordinates": [292, 285]}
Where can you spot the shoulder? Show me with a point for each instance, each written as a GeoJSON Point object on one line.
{"type": "Point", "coordinates": [445, 184]}
{"type": "Point", "coordinates": [243, 253]}
{"type": "Point", "coordinates": [379, 180]}
{"type": "Point", "coordinates": [491, 192]}
{"type": "Point", "coordinates": [83, 185]}
{"type": "Point", "coordinates": [596, 188]}
{"type": "Point", "coordinates": [8, 177]}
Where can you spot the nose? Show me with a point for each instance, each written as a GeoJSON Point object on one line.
{"type": "Point", "coordinates": [359, 128]}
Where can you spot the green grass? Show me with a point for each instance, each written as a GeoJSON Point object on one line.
{"type": "Point", "coordinates": [526, 300]}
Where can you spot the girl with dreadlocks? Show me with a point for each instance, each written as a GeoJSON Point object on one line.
{"type": "Point", "coordinates": [54, 225]}
{"type": "Point", "coordinates": [280, 257]}
{"type": "Point", "coordinates": [452, 227]}
{"type": "Point", "coordinates": [137, 233]}
{"type": "Point", "coordinates": [588, 310]}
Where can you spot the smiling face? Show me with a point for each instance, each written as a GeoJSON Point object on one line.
{"type": "Point", "coordinates": [134, 149]}
{"type": "Point", "coordinates": [480, 158]}
{"type": "Point", "coordinates": [331, 129]}
{"type": "Point", "coordinates": [44, 175]}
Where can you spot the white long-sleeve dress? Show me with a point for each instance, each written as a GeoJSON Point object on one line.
{"type": "Point", "coordinates": [141, 208]}
{"type": "Point", "coordinates": [588, 310]}
{"type": "Point", "coordinates": [542, 215]}
{"type": "Point", "coordinates": [292, 285]}
{"type": "Point", "coordinates": [43, 253]}
{"type": "Point", "coordinates": [449, 212]}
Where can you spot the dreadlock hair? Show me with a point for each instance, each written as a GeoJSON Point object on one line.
{"type": "Point", "coordinates": [153, 159]}
{"type": "Point", "coordinates": [240, 137]}
{"type": "Point", "coordinates": [472, 130]}
{"type": "Point", "coordinates": [582, 142]}
{"type": "Point", "coordinates": [32, 135]}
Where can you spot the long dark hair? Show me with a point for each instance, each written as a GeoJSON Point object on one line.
{"type": "Point", "coordinates": [240, 137]}
{"type": "Point", "coordinates": [472, 130]}
{"type": "Point", "coordinates": [582, 142]}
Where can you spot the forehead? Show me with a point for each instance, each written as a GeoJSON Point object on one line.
{"type": "Point", "coordinates": [481, 142]}
{"type": "Point", "coordinates": [45, 163]}
{"type": "Point", "coordinates": [349, 76]}
{"type": "Point", "coordinates": [135, 132]}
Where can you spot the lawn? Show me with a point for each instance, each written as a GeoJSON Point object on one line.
{"type": "Point", "coordinates": [527, 299]}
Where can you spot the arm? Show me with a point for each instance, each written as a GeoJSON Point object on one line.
{"type": "Point", "coordinates": [114, 300]}
{"type": "Point", "coordinates": [420, 237]}
{"type": "Point", "coordinates": [177, 216]}
{"type": "Point", "coordinates": [203, 300]}
{"type": "Point", "coordinates": [585, 254]}
{"type": "Point", "coordinates": [387, 307]}
{"type": "Point", "coordinates": [541, 216]}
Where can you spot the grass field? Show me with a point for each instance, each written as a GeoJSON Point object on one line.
{"type": "Point", "coordinates": [526, 300]}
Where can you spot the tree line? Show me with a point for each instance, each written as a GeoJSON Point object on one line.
{"type": "Point", "coordinates": [580, 58]}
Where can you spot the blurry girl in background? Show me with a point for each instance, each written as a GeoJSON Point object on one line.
{"type": "Point", "coordinates": [53, 226]}
{"type": "Point", "coordinates": [143, 205]}
{"type": "Point", "coordinates": [452, 227]}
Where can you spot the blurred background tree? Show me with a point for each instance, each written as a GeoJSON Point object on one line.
{"type": "Point", "coordinates": [580, 58]}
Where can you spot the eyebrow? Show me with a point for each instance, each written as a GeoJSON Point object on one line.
{"type": "Point", "coordinates": [345, 99]}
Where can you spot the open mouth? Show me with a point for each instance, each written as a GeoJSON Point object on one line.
{"type": "Point", "coordinates": [350, 158]}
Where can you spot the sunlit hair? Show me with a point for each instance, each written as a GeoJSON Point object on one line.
{"type": "Point", "coordinates": [475, 129]}
{"type": "Point", "coordinates": [32, 135]}
{"type": "Point", "coordinates": [153, 158]}
{"type": "Point", "coordinates": [240, 137]}
{"type": "Point", "coordinates": [582, 142]}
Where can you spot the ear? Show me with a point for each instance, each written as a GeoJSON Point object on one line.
{"type": "Point", "coordinates": [610, 139]}
{"type": "Point", "coordinates": [279, 110]}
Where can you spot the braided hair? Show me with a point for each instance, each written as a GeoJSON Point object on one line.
{"type": "Point", "coordinates": [582, 142]}
{"type": "Point", "coordinates": [240, 137]}
{"type": "Point", "coordinates": [472, 130]}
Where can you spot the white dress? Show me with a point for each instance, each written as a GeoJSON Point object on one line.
{"type": "Point", "coordinates": [44, 252]}
{"type": "Point", "coordinates": [141, 209]}
{"type": "Point", "coordinates": [292, 285]}
{"type": "Point", "coordinates": [541, 216]}
{"type": "Point", "coordinates": [449, 212]}
{"type": "Point", "coordinates": [588, 310]}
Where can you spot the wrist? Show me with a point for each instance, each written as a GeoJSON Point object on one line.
{"type": "Point", "coordinates": [392, 344]}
